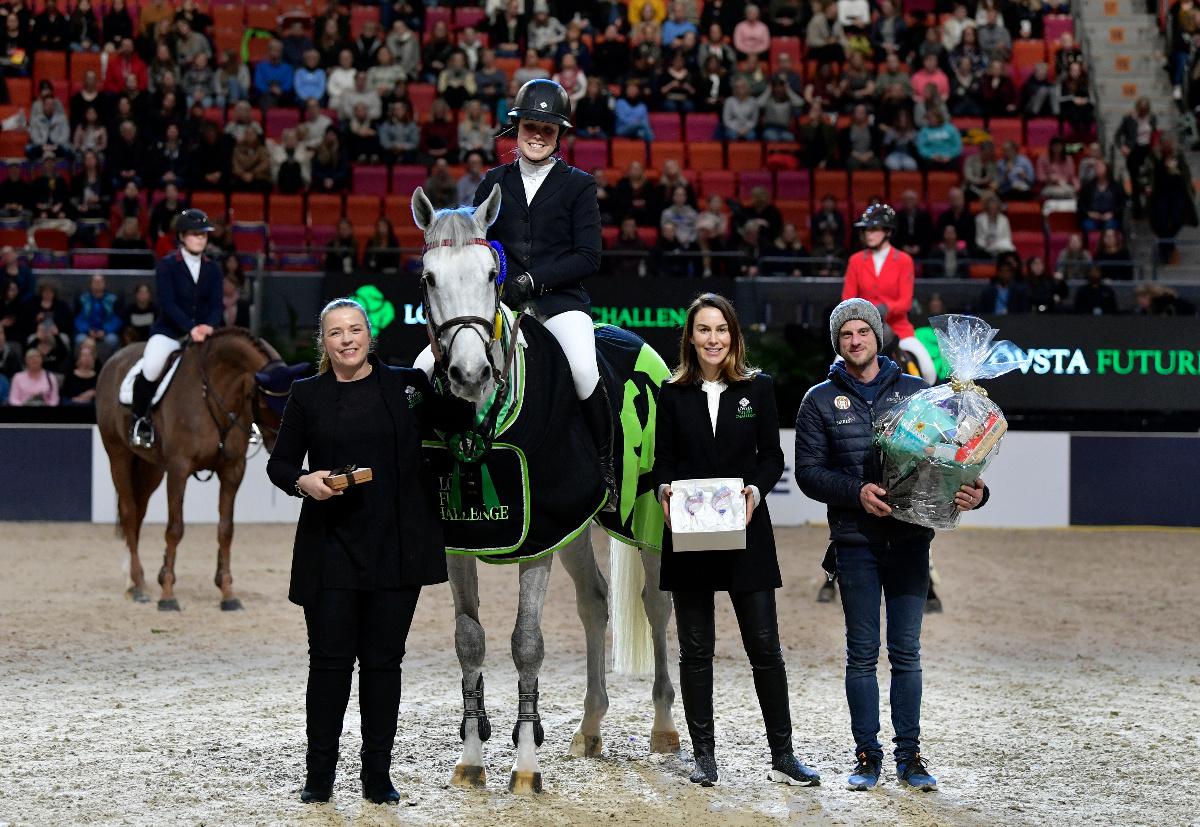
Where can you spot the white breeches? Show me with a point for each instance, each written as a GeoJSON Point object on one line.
{"type": "Point", "coordinates": [574, 332]}
{"type": "Point", "coordinates": [911, 344]}
{"type": "Point", "coordinates": [154, 358]}
{"type": "Point", "coordinates": [575, 335]}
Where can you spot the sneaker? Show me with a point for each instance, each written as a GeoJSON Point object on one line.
{"type": "Point", "coordinates": [788, 770]}
{"type": "Point", "coordinates": [705, 773]}
{"type": "Point", "coordinates": [913, 772]}
{"type": "Point", "coordinates": [866, 774]}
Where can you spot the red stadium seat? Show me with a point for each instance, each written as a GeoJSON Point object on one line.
{"type": "Point", "coordinates": [792, 46]}
{"type": "Point", "coordinates": [1028, 52]}
{"type": "Point", "coordinates": [1060, 223]}
{"type": "Point", "coordinates": [320, 234]}
{"type": "Point", "coordinates": [13, 143]}
{"type": "Point", "coordinates": [289, 237]}
{"type": "Point", "coordinates": [438, 14]}
{"type": "Point", "coordinates": [748, 180]}
{"type": "Point", "coordinates": [49, 66]}
{"type": "Point", "coordinates": [1039, 131]}
{"type": "Point", "coordinates": [229, 17]}
{"type": "Point", "coordinates": [700, 126]}
{"type": "Point", "coordinates": [793, 185]}
{"type": "Point", "coordinates": [608, 236]}
{"type": "Point", "coordinates": [250, 239]}
{"type": "Point", "coordinates": [663, 151]}
{"type": "Point", "coordinates": [20, 92]}
{"type": "Point", "coordinates": [369, 179]}
{"type": "Point", "coordinates": [363, 210]}
{"type": "Point", "coordinates": [1055, 26]}
{"type": "Point", "coordinates": [406, 178]}
{"type": "Point", "coordinates": [247, 208]}
{"type": "Point", "coordinates": [213, 203]}
{"type": "Point", "coordinates": [720, 182]}
{"type": "Point", "coordinates": [865, 185]}
{"type": "Point", "coordinates": [1029, 243]}
{"type": "Point", "coordinates": [833, 182]}
{"type": "Point", "coordinates": [360, 15]}
{"type": "Point", "coordinates": [649, 235]}
{"type": "Point", "coordinates": [52, 240]}
{"type": "Point", "coordinates": [324, 210]}
{"type": "Point", "coordinates": [469, 16]}
{"type": "Point", "coordinates": [398, 210]}
{"type": "Point", "coordinates": [1025, 216]}
{"type": "Point", "coordinates": [939, 184]}
{"type": "Point", "coordinates": [12, 237]}
{"type": "Point", "coordinates": [745, 156]}
{"type": "Point", "coordinates": [982, 271]}
{"type": "Point", "coordinates": [262, 16]}
{"type": "Point", "coordinates": [705, 155]}
{"type": "Point", "coordinates": [82, 62]}
{"type": "Point", "coordinates": [506, 146]}
{"type": "Point", "coordinates": [898, 182]}
{"type": "Point", "coordinates": [798, 213]}
{"type": "Point", "coordinates": [286, 209]}
{"type": "Point", "coordinates": [965, 124]}
{"type": "Point", "coordinates": [279, 120]}
{"type": "Point", "coordinates": [666, 126]}
{"type": "Point", "coordinates": [625, 151]}
{"type": "Point", "coordinates": [589, 155]}
{"type": "Point", "coordinates": [1006, 129]}
{"type": "Point", "coordinates": [421, 96]}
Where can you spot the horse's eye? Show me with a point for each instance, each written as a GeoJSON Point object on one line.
{"type": "Point", "coordinates": [428, 279]}
{"type": "Point", "coordinates": [492, 274]}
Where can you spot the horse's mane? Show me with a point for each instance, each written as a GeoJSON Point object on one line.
{"type": "Point", "coordinates": [457, 225]}
{"type": "Point", "coordinates": [242, 333]}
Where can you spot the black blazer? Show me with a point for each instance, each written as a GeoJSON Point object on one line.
{"type": "Point", "coordinates": [308, 428]}
{"type": "Point", "coordinates": [746, 445]}
{"type": "Point", "coordinates": [184, 303]}
{"type": "Point", "coordinates": [564, 249]}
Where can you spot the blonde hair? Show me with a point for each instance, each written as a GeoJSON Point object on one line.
{"type": "Point", "coordinates": [338, 304]}
{"type": "Point", "coordinates": [734, 367]}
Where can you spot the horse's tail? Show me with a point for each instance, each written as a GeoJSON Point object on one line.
{"type": "Point", "coordinates": [633, 646]}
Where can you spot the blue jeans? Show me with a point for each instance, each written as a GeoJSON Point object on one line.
{"type": "Point", "coordinates": [899, 572]}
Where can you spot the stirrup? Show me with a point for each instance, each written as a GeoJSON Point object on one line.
{"type": "Point", "coordinates": [531, 715]}
{"type": "Point", "coordinates": [479, 713]}
{"type": "Point", "coordinates": [141, 433]}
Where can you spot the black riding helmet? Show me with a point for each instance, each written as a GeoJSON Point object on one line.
{"type": "Point", "coordinates": [542, 100]}
{"type": "Point", "coordinates": [877, 217]}
{"type": "Point", "coordinates": [193, 221]}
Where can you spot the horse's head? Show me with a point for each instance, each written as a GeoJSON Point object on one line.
{"type": "Point", "coordinates": [273, 385]}
{"type": "Point", "coordinates": [460, 291]}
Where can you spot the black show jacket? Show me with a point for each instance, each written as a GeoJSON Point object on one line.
{"type": "Point", "coordinates": [556, 239]}
{"type": "Point", "coordinates": [746, 445]}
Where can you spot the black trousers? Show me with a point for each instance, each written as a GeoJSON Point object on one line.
{"type": "Point", "coordinates": [756, 616]}
{"type": "Point", "coordinates": [371, 627]}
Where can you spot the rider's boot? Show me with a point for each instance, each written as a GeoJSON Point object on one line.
{"type": "Point", "coordinates": [141, 434]}
{"type": "Point", "coordinates": [598, 415]}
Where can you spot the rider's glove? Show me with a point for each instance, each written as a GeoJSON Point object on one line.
{"type": "Point", "coordinates": [519, 291]}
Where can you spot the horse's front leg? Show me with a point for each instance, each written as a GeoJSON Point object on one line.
{"type": "Point", "coordinates": [177, 476]}
{"type": "Point", "coordinates": [231, 478]}
{"type": "Point", "coordinates": [528, 650]}
{"type": "Point", "coordinates": [469, 644]}
{"type": "Point", "coordinates": [664, 737]}
{"type": "Point", "coordinates": [591, 601]}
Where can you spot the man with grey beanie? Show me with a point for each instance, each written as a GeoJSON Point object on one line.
{"type": "Point", "coordinates": [874, 555]}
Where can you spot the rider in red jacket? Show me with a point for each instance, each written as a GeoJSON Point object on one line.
{"type": "Point", "coordinates": [883, 275]}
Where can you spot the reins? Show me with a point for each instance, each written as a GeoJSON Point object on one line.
{"type": "Point", "coordinates": [234, 419]}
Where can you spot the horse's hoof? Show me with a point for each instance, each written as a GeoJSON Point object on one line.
{"type": "Point", "coordinates": [665, 741]}
{"type": "Point", "coordinates": [586, 746]}
{"type": "Point", "coordinates": [471, 778]}
{"type": "Point", "coordinates": [231, 605]}
{"type": "Point", "coordinates": [525, 783]}
{"type": "Point", "coordinates": [137, 595]}
{"type": "Point", "coordinates": [171, 605]}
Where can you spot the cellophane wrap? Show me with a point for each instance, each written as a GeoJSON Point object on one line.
{"type": "Point", "coordinates": [943, 437]}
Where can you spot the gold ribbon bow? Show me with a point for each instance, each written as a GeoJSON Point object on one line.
{"type": "Point", "coordinates": [960, 385]}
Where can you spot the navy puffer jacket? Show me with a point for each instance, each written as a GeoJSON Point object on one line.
{"type": "Point", "coordinates": [836, 454]}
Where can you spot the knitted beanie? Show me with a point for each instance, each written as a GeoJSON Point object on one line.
{"type": "Point", "coordinates": [854, 310]}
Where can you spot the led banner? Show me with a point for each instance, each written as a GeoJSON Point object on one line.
{"type": "Point", "coordinates": [652, 307]}
{"type": "Point", "coordinates": [1098, 363]}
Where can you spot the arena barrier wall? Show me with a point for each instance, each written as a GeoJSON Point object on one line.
{"type": "Point", "coordinates": [1039, 480]}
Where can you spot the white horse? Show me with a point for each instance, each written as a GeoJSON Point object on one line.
{"type": "Point", "coordinates": [460, 288]}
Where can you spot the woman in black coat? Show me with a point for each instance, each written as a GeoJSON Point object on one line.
{"type": "Point", "coordinates": [362, 554]}
{"type": "Point", "coordinates": [717, 418]}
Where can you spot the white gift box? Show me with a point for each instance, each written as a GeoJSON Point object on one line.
{"type": "Point", "coordinates": [708, 514]}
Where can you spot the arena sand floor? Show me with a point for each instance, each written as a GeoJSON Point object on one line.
{"type": "Point", "coordinates": [1062, 686]}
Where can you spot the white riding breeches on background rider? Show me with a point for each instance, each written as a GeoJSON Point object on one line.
{"type": "Point", "coordinates": [575, 335]}
{"type": "Point", "coordinates": [154, 357]}
{"type": "Point", "coordinates": [911, 344]}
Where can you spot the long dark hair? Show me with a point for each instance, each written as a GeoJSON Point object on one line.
{"type": "Point", "coordinates": [734, 368]}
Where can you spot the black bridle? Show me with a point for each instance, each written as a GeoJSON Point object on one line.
{"type": "Point", "coordinates": [471, 445]}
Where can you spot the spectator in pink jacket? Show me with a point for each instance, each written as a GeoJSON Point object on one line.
{"type": "Point", "coordinates": [930, 73]}
{"type": "Point", "coordinates": [751, 36]}
{"type": "Point", "coordinates": [34, 385]}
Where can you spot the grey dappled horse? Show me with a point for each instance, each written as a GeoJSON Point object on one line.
{"type": "Point", "coordinates": [460, 284]}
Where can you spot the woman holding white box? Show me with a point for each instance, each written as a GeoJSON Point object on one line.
{"type": "Point", "coordinates": [717, 421]}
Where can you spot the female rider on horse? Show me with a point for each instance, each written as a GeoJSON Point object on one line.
{"type": "Point", "coordinates": [189, 292]}
{"type": "Point", "coordinates": [549, 225]}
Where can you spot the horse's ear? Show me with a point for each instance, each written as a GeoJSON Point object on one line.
{"type": "Point", "coordinates": [485, 213]}
{"type": "Point", "coordinates": [422, 210]}
{"type": "Point", "coordinates": [262, 378]}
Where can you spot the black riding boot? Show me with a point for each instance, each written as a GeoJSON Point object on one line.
{"type": "Point", "coordinates": [597, 413]}
{"type": "Point", "coordinates": [141, 434]}
{"type": "Point", "coordinates": [696, 688]}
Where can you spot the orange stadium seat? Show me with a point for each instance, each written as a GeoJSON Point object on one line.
{"type": "Point", "coordinates": [363, 210]}
{"type": "Point", "coordinates": [938, 185]}
{"type": "Point", "coordinates": [1028, 52]}
{"type": "Point", "coordinates": [213, 203]}
{"type": "Point", "coordinates": [865, 185]}
{"type": "Point", "coordinates": [663, 151]}
{"type": "Point", "coordinates": [286, 209]}
{"type": "Point", "coordinates": [20, 91]}
{"type": "Point", "coordinates": [745, 156]}
{"type": "Point", "coordinates": [13, 143]}
{"type": "Point", "coordinates": [247, 208]}
{"type": "Point", "coordinates": [720, 182]}
{"type": "Point", "coordinates": [705, 155]}
{"type": "Point", "coordinates": [899, 182]}
{"type": "Point", "coordinates": [625, 151]}
{"type": "Point", "coordinates": [398, 210]}
{"type": "Point", "coordinates": [833, 182]}
{"type": "Point", "coordinates": [324, 209]}
{"type": "Point", "coordinates": [792, 46]}
{"type": "Point", "coordinates": [82, 62]}
{"type": "Point", "coordinates": [49, 66]}
{"type": "Point", "coordinates": [1006, 129]}
{"type": "Point", "coordinates": [798, 213]}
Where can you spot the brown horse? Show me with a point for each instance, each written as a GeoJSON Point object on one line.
{"type": "Point", "coordinates": [204, 423]}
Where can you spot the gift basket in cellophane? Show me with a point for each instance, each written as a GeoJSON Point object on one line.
{"type": "Point", "coordinates": [943, 437]}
